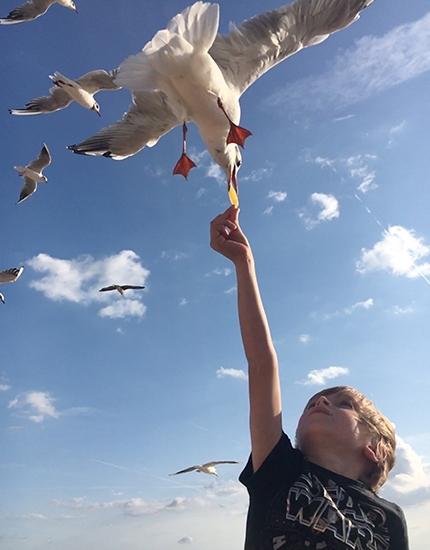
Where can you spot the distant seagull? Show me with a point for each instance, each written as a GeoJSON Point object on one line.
{"type": "Point", "coordinates": [65, 91]}
{"type": "Point", "coordinates": [33, 9]}
{"type": "Point", "coordinates": [208, 468]}
{"type": "Point", "coordinates": [9, 276]}
{"type": "Point", "coordinates": [33, 173]}
{"type": "Point", "coordinates": [197, 75]}
{"type": "Point", "coordinates": [120, 288]}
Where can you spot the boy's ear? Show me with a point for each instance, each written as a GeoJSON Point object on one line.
{"type": "Point", "coordinates": [370, 453]}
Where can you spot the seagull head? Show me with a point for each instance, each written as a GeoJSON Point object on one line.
{"type": "Point", "coordinates": [72, 6]}
{"type": "Point", "coordinates": [230, 160]}
{"type": "Point", "coordinates": [96, 108]}
{"type": "Point", "coordinates": [1, 298]}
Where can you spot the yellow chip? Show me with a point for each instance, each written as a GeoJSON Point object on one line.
{"type": "Point", "coordinates": [233, 196]}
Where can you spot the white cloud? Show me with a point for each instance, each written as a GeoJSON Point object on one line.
{"type": "Point", "coordinates": [397, 252]}
{"type": "Point", "coordinates": [268, 211]}
{"type": "Point", "coordinates": [319, 377]}
{"type": "Point", "coordinates": [233, 373]}
{"type": "Point", "coordinates": [37, 402]}
{"type": "Point", "coordinates": [277, 196]}
{"type": "Point", "coordinates": [409, 481]}
{"type": "Point", "coordinates": [4, 387]}
{"type": "Point", "coordinates": [216, 172]}
{"type": "Point", "coordinates": [183, 302]}
{"type": "Point", "coordinates": [397, 310]}
{"type": "Point", "coordinates": [329, 209]}
{"type": "Point", "coordinates": [231, 290]}
{"type": "Point", "coordinates": [39, 405]}
{"type": "Point", "coordinates": [365, 305]}
{"type": "Point", "coordinates": [225, 271]}
{"type": "Point", "coordinates": [79, 280]}
{"type": "Point", "coordinates": [123, 308]}
{"type": "Point", "coordinates": [172, 255]}
{"type": "Point", "coordinates": [304, 339]}
{"type": "Point", "coordinates": [373, 65]}
{"type": "Point", "coordinates": [257, 175]}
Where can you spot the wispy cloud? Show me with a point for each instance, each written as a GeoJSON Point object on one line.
{"type": "Point", "coordinates": [80, 279]}
{"type": "Point", "coordinates": [39, 405]}
{"type": "Point", "coordinates": [304, 339]}
{"type": "Point", "coordinates": [232, 373]}
{"type": "Point", "coordinates": [225, 271]}
{"type": "Point", "coordinates": [319, 377]}
{"type": "Point", "coordinates": [349, 310]}
{"type": "Point", "coordinates": [174, 255]}
{"type": "Point", "coordinates": [185, 540]}
{"type": "Point", "coordinates": [259, 174]}
{"type": "Point", "coordinates": [373, 65]}
{"type": "Point", "coordinates": [398, 252]}
{"type": "Point", "coordinates": [4, 387]}
{"type": "Point", "coordinates": [277, 196]}
{"type": "Point", "coordinates": [183, 302]}
{"type": "Point", "coordinates": [329, 210]}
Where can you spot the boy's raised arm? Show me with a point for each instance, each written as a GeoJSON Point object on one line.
{"type": "Point", "coordinates": [228, 239]}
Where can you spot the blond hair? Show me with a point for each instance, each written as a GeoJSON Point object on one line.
{"type": "Point", "coordinates": [381, 430]}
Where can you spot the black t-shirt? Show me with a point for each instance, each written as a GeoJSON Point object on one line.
{"type": "Point", "coordinates": [297, 505]}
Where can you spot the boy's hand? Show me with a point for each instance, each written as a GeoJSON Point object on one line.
{"type": "Point", "coordinates": [227, 238]}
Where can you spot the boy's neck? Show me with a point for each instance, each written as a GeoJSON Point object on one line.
{"type": "Point", "coordinates": [347, 466]}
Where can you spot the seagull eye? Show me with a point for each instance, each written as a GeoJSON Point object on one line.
{"type": "Point", "coordinates": [238, 163]}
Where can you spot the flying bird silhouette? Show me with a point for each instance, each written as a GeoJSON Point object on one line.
{"type": "Point", "coordinates": [33, 173]}
{"type": "Point", "coordinates": [208, 468]}
{"type": "Point", "coordinates": [33, 9]}
{"type": "Point", "coordinates": [81, 90]}
{"type": "Point", "coordinates": [193, 74]}
{"type": "Point", "coordinates": [9, 276]}
{"type": "Point", "coordinates": [120, 288]}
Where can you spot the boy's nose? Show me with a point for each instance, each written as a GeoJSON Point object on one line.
{"type": "Point", "coordinates": [322, 400]}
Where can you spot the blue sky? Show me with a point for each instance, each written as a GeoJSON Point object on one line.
{"type": "Point", "coordinates": [102, 397]}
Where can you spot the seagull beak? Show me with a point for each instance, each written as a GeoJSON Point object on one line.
{"type": "Point", "coordinates": [232, 189]}
{"type": "Point", "coordinates": [76, 11]}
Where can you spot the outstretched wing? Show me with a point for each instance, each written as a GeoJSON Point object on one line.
{"type": "Point", "coordinates": [146, 121]}
{"type": "Point", "coordinates": [126, 287]}
{"type": "Point", "coordinates": [10, 275]}
{"type": "Point", "coordinates": [27, 12]}
{"type": "Point", "coordinates": [208, 464]}
{"type": "Point", "coordinates": [261, 42]}
{"type": "Point", "coordinates": [106, 288]}
{"type": "Point", "coordinates": [95, 81]}
{"type": "Point", "coordinates": [42, 160]}
{"type": "Point", "coordinates": [59, 99]}
{"type": "Point", "coordinates": [191, 469]}
{"type": "Point", "coordinates": [27, 189]}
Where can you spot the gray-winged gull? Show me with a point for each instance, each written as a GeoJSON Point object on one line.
{"type": "Point", "coordinates": [32, 173]}
{"type": "Point", "coordinates": [81, 90]}
{"type": "Point", "coordinates": [9, 276]}
{"type": "Point", "coordinates": [196, 75]}
{"type": "Point", "coordinates": [208, 468]}
{"type": "Point", "coordinates": [33, 9]}
{"type": "Point", "coordinates": [120, 288]}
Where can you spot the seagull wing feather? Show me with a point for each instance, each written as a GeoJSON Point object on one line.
{"type": "Point", "coordinates": [59, 99]}
{"type": "Point", "coordinates": [265, 40]}
{"type": "Point", "coordinates": [191, 469]}
{"type": "Point", "coordinates": [42, 161]}
{"type": "Point", "coordinates": [95, 81]}
{"type": "Point", "coordinates": [10, 275]}
{"type": "Point", "coordinates": [146, 121]}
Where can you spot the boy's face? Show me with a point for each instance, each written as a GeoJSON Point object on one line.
{"type": "Point", "coordinates": [332, 421]}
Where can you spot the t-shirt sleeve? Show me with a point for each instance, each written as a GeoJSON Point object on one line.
{"type": "Point", "coordinates": [280, 455]}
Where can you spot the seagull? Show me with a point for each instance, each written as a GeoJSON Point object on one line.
{"type": "Point", "coordinates": [9, 276]}
{"type": "Point", "coordinates": [33, 173]}
{"type": "Point", "coordinates": [196, 75]}
{"type": "Point", "coordinates": [208, 468]}
{"type": "Point", "coordinates": [120, 288]}
{"type": "Point", "coordinates": [65, 91]}
{"type": "Point", "coordinates": [33, 9]}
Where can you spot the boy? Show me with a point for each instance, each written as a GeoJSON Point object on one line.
{"type": "Point", "coordinates": [320, 495]}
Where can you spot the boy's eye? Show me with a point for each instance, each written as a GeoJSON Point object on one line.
{"type": "Point", "coordinates": [346, 403]}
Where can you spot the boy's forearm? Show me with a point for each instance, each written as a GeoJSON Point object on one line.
{"type": "Point", "coordinates": [255, 330]}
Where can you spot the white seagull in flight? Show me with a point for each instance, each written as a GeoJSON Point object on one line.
{"type": "Point", "coordinates": [192, 74]}
{"type": "Point", "coordinates": [33, 9]}
{"type": "Point", "coordinates": [208, 468]}
{"type": "Point", "coordinates": [33, 173]}
{"type": "Point", "coordinates": [9, 276]}
{"type": "Point", "coordinates": [81, 90]}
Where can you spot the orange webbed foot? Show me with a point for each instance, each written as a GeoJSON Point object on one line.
{"type": "Point", "coordinates": [183, 166]}
{"type": "Point", "coordinates": [238, 135]}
